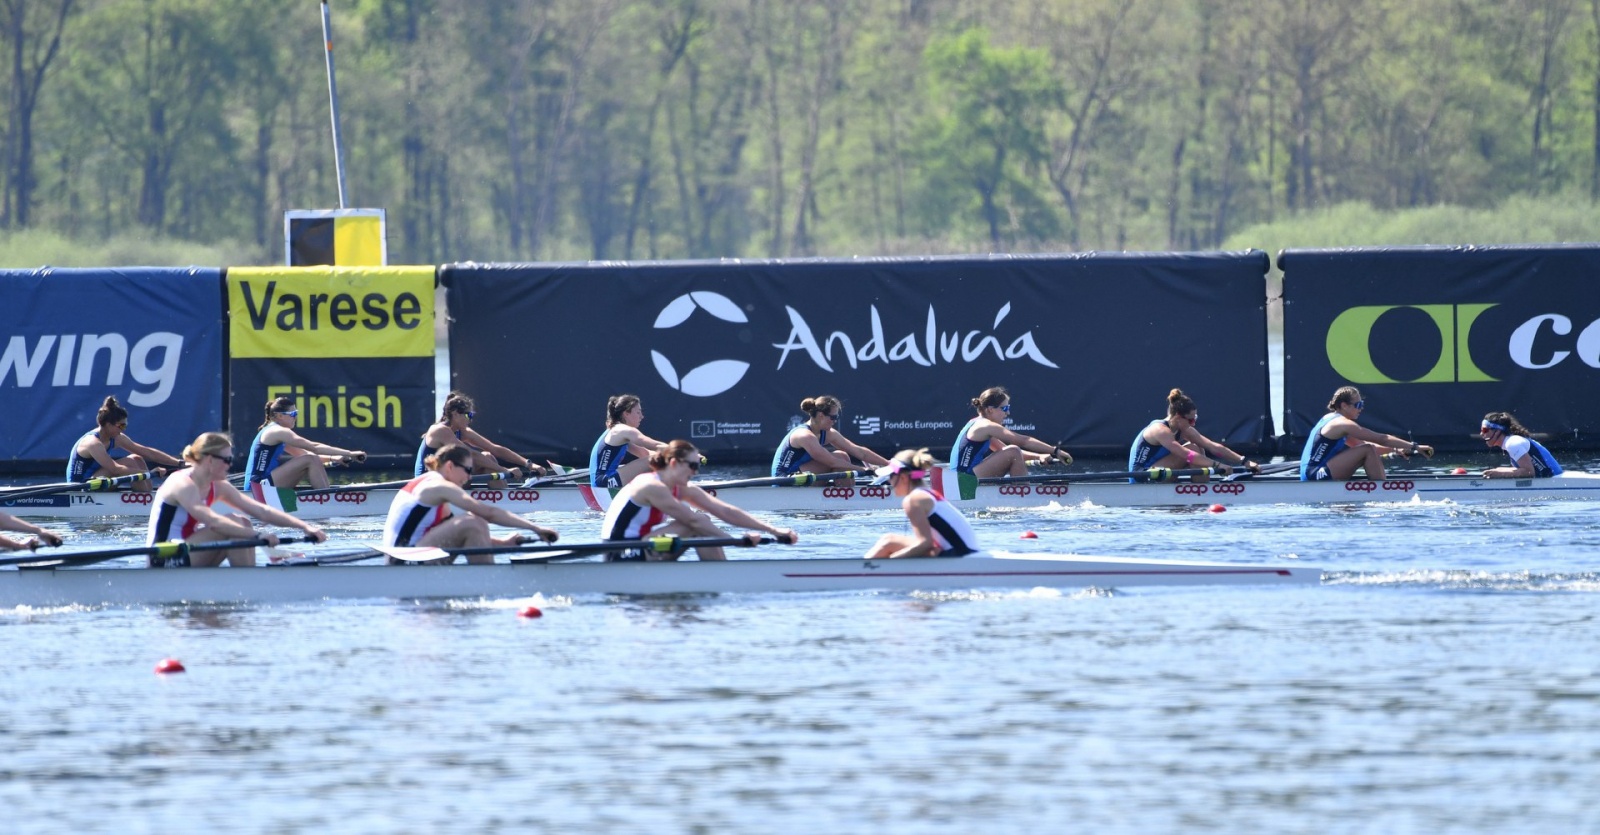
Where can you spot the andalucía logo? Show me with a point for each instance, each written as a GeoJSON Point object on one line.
{"type": "Point", "coordinates": [712, 378]}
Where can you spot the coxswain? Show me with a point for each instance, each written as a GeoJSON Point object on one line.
{"type": "Point", "coordinates": [937, 528]}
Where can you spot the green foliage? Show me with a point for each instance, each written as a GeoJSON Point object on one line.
{"type": "Point", "coordinates": [1520, 220]}
{"type": "Point", "coordinates": [42, 248]}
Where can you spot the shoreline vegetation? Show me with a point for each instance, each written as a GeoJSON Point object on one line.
{"type": "Point", "coordinates": [1568, 218]}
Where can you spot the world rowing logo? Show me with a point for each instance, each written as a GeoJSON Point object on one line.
{"type": "Point", "coordinates": [716, 376]}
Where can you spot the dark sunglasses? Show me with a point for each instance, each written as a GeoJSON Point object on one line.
{"type": "Point", "coordinates": [1006, 408]}
{"type": "Point", "coordinates": [694, 466]}
{"type": "Point", "coordinates": [1359, 404]}
{"type": "Point", "coordinates": [226, 459]}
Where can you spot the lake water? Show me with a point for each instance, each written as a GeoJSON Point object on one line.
{"type": "Point", "coordinates": [1442, 679]}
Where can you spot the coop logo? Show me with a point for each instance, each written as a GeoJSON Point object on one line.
{"type": "Point", "coordinates": [712, 378]}
{"type": "Point", "coordinates": [1350, 343]}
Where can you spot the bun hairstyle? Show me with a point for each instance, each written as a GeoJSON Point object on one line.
{"type": "Point", "coordinates": [110, 412]}
{"type": "Point", "coordinates": [1509, 421]}
{"type": "Point", "coordinates": [457, 454]}
{"type": "Point", "coordinates": [992, 397]}
{"type": "Point", "coordinates": [679, 450]}
{"type": "Point", "coordinates": [456, 403]}
{"type": "Point", "coordinates": [1179, 403]}
{"type": "Point", "coordinates": [618, 406]}
{"type": "Point", "coordinates": [1345, 395]}
{"type": "Point", "coordinates": [915, 460]}
{"type": "Point", "coordinates": [820, 403]}
{"type": "Point", "coordinates": [275, 406]}
{"type": "Point", "coordinates": [209, 443]}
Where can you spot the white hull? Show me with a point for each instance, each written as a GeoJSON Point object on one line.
{"type": "Point", "coordinates": [846, 497]}
{"type": "Point", "coordinates": [132, 586]}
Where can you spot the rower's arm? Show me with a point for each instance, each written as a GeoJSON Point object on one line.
{"type": "Point", "coordinates": [727, 512]}
{"type": "Point", "coordinates": [230, 495]}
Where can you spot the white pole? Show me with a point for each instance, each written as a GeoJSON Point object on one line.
{"type": "Point", "coordinates": [333, 103]}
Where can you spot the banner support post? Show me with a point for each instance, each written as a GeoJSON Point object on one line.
{"type": "Point", "coordinates": [333, 104]}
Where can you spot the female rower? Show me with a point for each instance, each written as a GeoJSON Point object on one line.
{"type": "Point", "coordinates": [38, 536]}
{"type": "Point", "coordinates": [1338, 446]}
{"type": "Point", "coordinates": [1176, 443]}
{"type": "Point", "coordinates": [1529, 458]}
{"type": "Point", "coordinates": [817, 446]}
{"type": "Point", "coordinates": [986, 448]}
{"type": "Point", "coordinates": [937, 528]}
{"type": "Point", "coordinates": [282, 458]}
{"type": "Point", "coordinates": [183, 509]}
{"type": "Point", "coordinates": [455, 426]}
{"type": "Point", "coordinates": [107, 451]}
{"type": "Point", "coordinates": [622, 438]}
{"type": "Point", "coordinates": [662, 502]}
{"type": "Point", "coordinates": [422, 515]}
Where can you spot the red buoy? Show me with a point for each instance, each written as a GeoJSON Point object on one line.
{"type": "Point", "coordinates": [530, 612]}
{"type": "Point", "coordinates": [1028, 535]}
{"type": "Point", "coordinates": [1217, 508]}
{"type": "Point", "coordinates": [1459, 471]}
{"type": "Point", "coordinates": [169, 665]}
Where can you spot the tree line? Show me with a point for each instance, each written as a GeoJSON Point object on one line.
{"type": "Point", "coordinates": [612, 129]}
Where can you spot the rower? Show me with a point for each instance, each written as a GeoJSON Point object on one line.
{"type": "Point", "coordinates": [38, 536]}
{"type": "Point", "coordinates": [986, 448]}
{"type": "Point", "coordinates": [109, 452]}
{"type": "Point", "coordinates": [1176, 443]}
{"type": "Point", "coordinates": [937, 528]}
{"type": "Point", "coordinates": [1529, 458]}
{"type": "Point", "coordinates": [622, 439]}
{"type": "Point", "coordinates": [423, 511]}
{"type": "Point", "coordinates": [183, 509]}
{"type": "Point", "coordinates": [817, 446]}
{"type": "Point", "coordinates": [1338, 446]}
{"type": "Point", "coordinates": [455, 427]}
{"type": "Point", "coordinates": [281, 458]}
{"type": "Point", "coordinates": [662, 502]}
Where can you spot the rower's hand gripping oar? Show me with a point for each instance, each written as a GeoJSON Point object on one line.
{"type": "Point", "coordinates": [161, 550]}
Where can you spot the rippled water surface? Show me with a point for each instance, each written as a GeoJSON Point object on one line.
{"type": "Point", "coordinates": [1442, 679]}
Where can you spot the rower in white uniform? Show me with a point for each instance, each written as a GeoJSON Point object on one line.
{"type": "Point", "coordinates": [937, 528]}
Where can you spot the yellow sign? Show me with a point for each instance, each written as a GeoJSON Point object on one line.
{"type": "Point", "coordinates": [330, 312]}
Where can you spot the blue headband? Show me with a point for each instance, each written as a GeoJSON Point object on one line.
{"type": "Point", "coordinates": [1489, 424]}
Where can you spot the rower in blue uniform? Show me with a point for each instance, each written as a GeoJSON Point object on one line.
{"type": "Point", "coordinates": [455, 427]}
{"type": "Point", "coordinates": [1176, 443]}
{"type": "Point", "coordinates": [609, 463]}
{"type": "Point", "coordinates": [987, 448]}
{"type": "Point", "coordinates": [281, 458]}
{"type": "Point", "coordinates": [817, 446]}
{"type": "Point", "coordinates": [1529, 458]}
{"type": "Point", "coordinates": [1338, 446]}
{"type": "Point", "coordinates": [110, 453]}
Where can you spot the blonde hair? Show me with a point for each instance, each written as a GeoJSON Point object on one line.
{"type": "Point", "coordinates": [209, 443]}
{"type": "Point", "coordinates": [915, 459]}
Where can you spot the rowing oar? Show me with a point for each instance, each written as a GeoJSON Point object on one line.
{"type": "Point", "coordinates": [1156, 474]}
{"type": "Point", "coordinates": [1266, 469]}
{"type": "Point", "coordinates": [477, 480]}
{"type": "Point", "coordinates": [93, 484]}
{"type": "Point", "coordinates": [796, 480]}
{"type": "Point", "coordinates": [523, 552]}
{"type": "Point", "coordinates": [564, 478]}
{"type": "Point", "coordinates": [165, 550]}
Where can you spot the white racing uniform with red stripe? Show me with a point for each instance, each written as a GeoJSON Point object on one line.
{"type": "Point", "coordinates": [409, 519]}
{"type": "Point", "coordinates": [627, 519]}
{"type": "Point", "coordinates": [170, 522]}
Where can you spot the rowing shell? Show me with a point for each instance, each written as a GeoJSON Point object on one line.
{"type": "Point", "coordinates": [132, 586]}
{"type": "Point", "coordinates": [861, 497]}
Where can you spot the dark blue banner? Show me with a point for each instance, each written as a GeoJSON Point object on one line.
{"type": "Point", "coordinates": [1435, 337]}
{"type": "Point", "coordinates": [152, 337]}
{"type": "Point", "coordinates": [723, 352]}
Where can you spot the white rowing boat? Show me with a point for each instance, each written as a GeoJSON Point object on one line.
{"type": "Point", "coordinates": [861, 497]}
{"type": "Point", "coordinates": [134, 586]}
